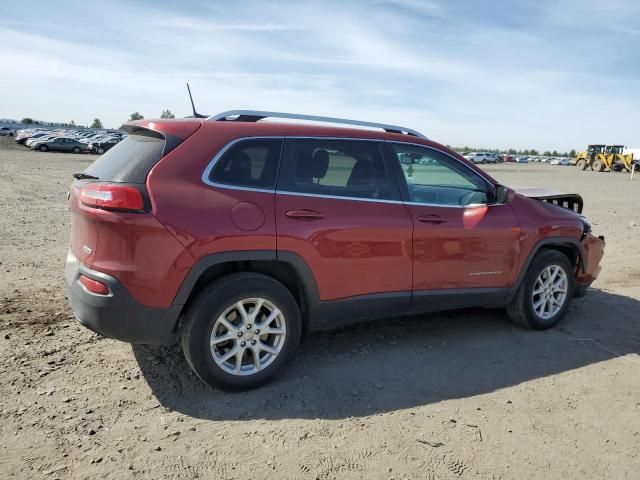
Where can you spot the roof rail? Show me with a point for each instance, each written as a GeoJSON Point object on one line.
{"type": "Point", "coordinates": [255, 115]}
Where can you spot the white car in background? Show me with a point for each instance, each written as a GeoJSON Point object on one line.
{"type": "Point", "coordinates": [7, 132]}
{"type": "Point", "coordinates": [480, 157]}
{"type": "Point", "coordinates": [559, 161]}
{"type": "Point", "coordinates": [522, 159]}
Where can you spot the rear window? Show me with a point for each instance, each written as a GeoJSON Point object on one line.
{"type": "Point", "coordinates": [131, 160]}
{"type": "Point", "coordinates": [251, 163]}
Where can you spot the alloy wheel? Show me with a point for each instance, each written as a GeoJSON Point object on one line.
{"type": "Point", "coordinates": [550, 291]}
{"type": "Point", "coordinates": [248, 336]}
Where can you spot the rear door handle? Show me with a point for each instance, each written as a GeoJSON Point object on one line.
{"type": "Point", "coordinates": [432, 219]}
{"type": "Point", "coordinates": [304, 214]}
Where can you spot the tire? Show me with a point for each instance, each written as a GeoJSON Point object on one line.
{"type": "Point", "coordinates": [521, 309]}
{"type": "Point", "coordinates": [100, 151]}
{"type": "Point", "coordinates": [76, 150]}
{"type": "Point", "coordinates": [43, 148]}
{"type": "Point", "coordinates": [209, 309]}
{"type": "Point", "coordinates": [598, 166]}
{"type": "Point", "coordinates": [581, 164]}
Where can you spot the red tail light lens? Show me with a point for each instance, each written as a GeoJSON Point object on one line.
{"type": "Point", "coordinates": [112, 197]}
{"type": "Point", "coordinates": [93, 286]}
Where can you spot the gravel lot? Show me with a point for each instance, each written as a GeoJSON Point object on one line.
{"type": "Point", "coordinates": [458, 395]}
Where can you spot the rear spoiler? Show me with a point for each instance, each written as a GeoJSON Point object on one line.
{"type": "Point", "coordinates": [570, 201]}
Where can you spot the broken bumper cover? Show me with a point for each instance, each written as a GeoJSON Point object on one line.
{"type": "Point", "coordinates": [592, 253]}
{"type": "Point", "coordinates": [117, 315]}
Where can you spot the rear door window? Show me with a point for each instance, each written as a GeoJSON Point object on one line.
{"type": "Point", "coordinates": [131, 160]}
{"type": "Point", "coordinates": [337, 168]}
{"type": "Point", "coordinates": [250, 163]}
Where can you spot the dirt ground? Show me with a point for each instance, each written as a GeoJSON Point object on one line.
{"type": "Point", "coordinates": [456, 395]}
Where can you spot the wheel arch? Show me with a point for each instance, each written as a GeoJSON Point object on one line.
{"type": "Point", "coordinates": [568, 246]}
{"type": "Point", "coordinates": [286, 267]}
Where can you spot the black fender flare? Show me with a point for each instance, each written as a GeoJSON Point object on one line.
{"type": "Point", "coordinates": [304, 274]}
{"type": "Point", "coordinates": [547, 242]}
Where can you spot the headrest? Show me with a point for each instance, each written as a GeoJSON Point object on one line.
{"type": "Point", "coordinates": [314, 167]}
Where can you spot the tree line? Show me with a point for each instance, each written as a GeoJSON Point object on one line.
{"type": "Point", "coordinates": [97, 123]}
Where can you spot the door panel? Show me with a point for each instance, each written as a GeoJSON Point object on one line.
{"type": "Point", "coordinates": [353, 248]}
{"type": "Point", "coordinates": [461, 239]}
{"type": "Point", "coordinates": [473, 247]}
{"type": "Point", "coordinates": [338, 207]}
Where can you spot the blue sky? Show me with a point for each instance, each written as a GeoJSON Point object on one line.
{"type": "Point", "coordinates": [543, 74]}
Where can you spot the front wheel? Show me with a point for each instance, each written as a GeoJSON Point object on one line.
{"type": "Point", "coordinates": [598, 166]}
{"type": "Point", "coordinates": [43, 148]}
{"type": "Point", "coordinates": [241, 331]}
{"type": "Point", "coordinates": [76, 149]}
{"type": "Point", "coordinates": [545, 292]}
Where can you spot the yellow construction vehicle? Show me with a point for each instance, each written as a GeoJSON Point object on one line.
{"type": "Point", "coordinates": [619, 161]}
{"type": "Point", "coordinates": [591, 157]}
{"type": "Point", "coordinates": [605, 157]}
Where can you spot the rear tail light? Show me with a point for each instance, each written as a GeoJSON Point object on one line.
{"type": "Point", "coordinates": [108, 196]}
{"type": "Point", "coordinates": [93, 286]}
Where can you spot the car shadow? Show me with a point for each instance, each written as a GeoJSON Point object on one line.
{"type": "Point", "coordinates": [401, 363]}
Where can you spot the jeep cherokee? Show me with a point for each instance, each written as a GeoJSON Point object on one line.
{"type": "Point", "coordinates": [233, 235]}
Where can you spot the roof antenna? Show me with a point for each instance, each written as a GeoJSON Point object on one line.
{"type": "Point", "coordinates": [193, 107]}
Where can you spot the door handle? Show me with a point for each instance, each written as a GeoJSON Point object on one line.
{"type": "Point", "coordinates": [433, 219]}
{"type": "Point", "coordinates": [304, 214]}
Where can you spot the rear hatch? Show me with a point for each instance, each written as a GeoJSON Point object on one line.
{"type": "Point", "coordinates": [115, 183]}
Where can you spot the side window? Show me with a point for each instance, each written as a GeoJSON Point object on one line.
{"type": "Point", "coordinates": [437, 179]}
{"type": "Point", "coordinates": [340, 168]}
{"type": "Point", "coordinates": [249, 163]}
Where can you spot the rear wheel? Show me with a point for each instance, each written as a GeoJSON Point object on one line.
{"type": "Point", "coordinates": [241, 331]}
{"type": "Point", "coordinates": [100, 150]}
{"type": "Point", "coordinates": [76, 149]}
{"type": "Point", "coordinates": [581, 164]}
{"type": "Point", "coordinates": [43, 148]}
{"type": "Point", "coordinates": [545, 292]}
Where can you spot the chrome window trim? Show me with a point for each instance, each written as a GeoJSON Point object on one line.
{"type": "Point", "coordinates": [212, 163]}
{"type": "Point", "coordinates": [337, 197]}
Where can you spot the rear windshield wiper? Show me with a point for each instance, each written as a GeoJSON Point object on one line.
{"type": "Point", "coordinates": [82, 176]}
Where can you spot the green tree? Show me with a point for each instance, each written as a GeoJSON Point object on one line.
{"type": "Point", "coordinates": [167, 114]}
{"type": "Point", "coordinates": [73, 124]}
{"type": "Point", "coordinates": [135, 116]}
{"type": "Point", "coordinates": [28, 120]}
{"type": "Point", "coordinates": [572, 153]}
{"type": "Point", "coordinates": [96, 123]}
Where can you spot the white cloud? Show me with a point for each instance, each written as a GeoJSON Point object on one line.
{"type": "Point", "coordinates": [458, 77]}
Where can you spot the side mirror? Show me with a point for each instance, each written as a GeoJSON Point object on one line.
{"type": "Point", "coordinates": [500, 194]}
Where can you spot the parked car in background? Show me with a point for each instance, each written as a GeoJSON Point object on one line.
{"type": "Point", "coordinates": [508, 158]}
{"type": "Point", "coordinates": [23, 139]}
{"type": "Point", "coordinates": [100, 140]}
{"type": "Point", "coordinates": [7, 132]}
{"type": "Point", "coordinates": [61, 144]}
{"type": "Point", "coordinates": [101, 146]}
{"type": "Point", "coordinates": [307, 227]}
{"type": "Point", "coordinates": [480, 157]}
{"type": "Point", "coordinates": [559, 161]}
{"type": "Point", "coordinates": [40, 137]}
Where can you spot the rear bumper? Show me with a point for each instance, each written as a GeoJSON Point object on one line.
{"type": "Point", "coordinates": [117, 315]}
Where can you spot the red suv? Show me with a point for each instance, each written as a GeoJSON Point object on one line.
{"type": "Point", "coordinates": [234, 235]}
